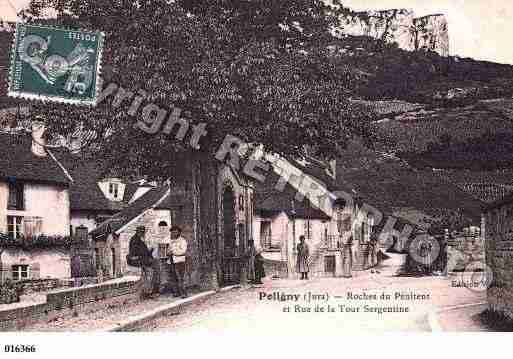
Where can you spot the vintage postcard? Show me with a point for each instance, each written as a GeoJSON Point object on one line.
{"type": "Point", "coordinates": [264, 167]}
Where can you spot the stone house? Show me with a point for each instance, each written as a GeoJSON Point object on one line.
{"type": "Point", "coordinates": [498, 233]}
{"type": "Point", "coordinates": [34, 201]}
{"type": "Point", "coordinates": [215, 212]}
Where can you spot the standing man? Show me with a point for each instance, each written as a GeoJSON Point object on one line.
{"type": "Point", "coordinates": [178, 251]}
{"type": "Point", "coordinates": [302, 258]}
{"type": "Point", "coordinates": [140, 255]}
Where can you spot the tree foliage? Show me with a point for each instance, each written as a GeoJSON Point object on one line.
{"type": "Point", "coordinates": [260, 70]}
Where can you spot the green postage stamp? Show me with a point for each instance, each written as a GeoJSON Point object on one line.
{"type": "Point", "coordinates": [53, 64]}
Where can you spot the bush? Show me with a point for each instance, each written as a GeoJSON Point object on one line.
{"type": "Point", "coordinates": [35, 242]}
{"type": "Point", "coordinates": [10, 292]}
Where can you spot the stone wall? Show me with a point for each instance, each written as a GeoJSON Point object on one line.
{"type": "Point", "coordinates": [463, 251]}
{"type": "Point", "coordinates": [66, 303]}
{"type": "Point", "coordinates": [400, 26]}
{"type": "Point", "coordinates": [499, 258]}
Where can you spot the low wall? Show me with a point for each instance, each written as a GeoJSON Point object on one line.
{"type": "Point", "coordinates": [66, 303]}
{"type": "Point", "coordinates": [42, 285]}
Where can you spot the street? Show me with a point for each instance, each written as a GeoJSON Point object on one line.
{"type": "Point", "coordinates": [320, 305]}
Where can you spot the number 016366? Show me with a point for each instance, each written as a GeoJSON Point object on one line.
{"type": "Point", "coordinates": [20, 348]}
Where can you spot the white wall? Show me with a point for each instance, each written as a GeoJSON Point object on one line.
{"type": "Point", "coordinates": [51, 263]}
{"type": "Point", "coordinates": [49, 202]}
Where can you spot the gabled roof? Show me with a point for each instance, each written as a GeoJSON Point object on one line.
{"type": "Point", "coordinates": [85, 194]}
{"type": "Point", "coordinates": [269, 201]}
{"type": "Point", "coordinates": [17, 161]}
{"type": "Point", "coordinates": [117, 222]}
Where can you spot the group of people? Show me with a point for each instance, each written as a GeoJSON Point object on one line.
{"type": "Point", "coordinates": [148, 259]}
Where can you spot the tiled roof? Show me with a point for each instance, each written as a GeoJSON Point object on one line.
{"type": "Point", "coordinates": [85, 194]}
{"type": "Point", "coordinates": [172, 201]}
{"type": "Point", "coordinates": [18, 161]}
{"type": "Point", "coordinates": [149, 200]}
{"type": "Point", "coordinates": [269, 201]}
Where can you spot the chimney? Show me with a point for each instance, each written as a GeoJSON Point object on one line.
{"type": "Point", "coordinates": [38, 141]}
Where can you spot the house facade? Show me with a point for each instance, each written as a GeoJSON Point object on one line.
{"type": "Point", "coordinates": [34, 202]}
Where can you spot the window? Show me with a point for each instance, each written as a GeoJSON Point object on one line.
{"type": "Point", "coordinates": [16, 200]}
{"type": "Point", "coordinates": [20, 272]}
{"type": "Point", "coordinates": [176, 215]}
{"type": "Point", "coordinates": [32, 226]}
{"type": "Point", "coordinates": [97, 258]}
{"type": "Point", "coordinates": [14, 226]}
{"type": "Point", "coordinates": [308, 229]}
{"type": "Point", "coordinates": [265, 234]}
{"type": "Point", "coordinates": [330, 264]}
{"type": "Point", "coordinates": [242, 233]}
{"type": "Point", "coordinates": [241, 203]}
{"type": "Point", "coordinates": [114, 189]}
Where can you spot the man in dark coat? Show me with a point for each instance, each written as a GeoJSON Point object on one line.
{"type": "Point", "coordinates": [138, 249]}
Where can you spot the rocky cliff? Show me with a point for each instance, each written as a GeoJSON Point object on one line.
{"type": "Point", "coordinates": [431, 33]}
{"type": "Point", "coordinates": [402, 27]}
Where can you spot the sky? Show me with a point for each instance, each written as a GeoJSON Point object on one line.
{"type": "Point", "coordinates": [481, 29]}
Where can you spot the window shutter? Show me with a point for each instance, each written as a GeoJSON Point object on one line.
{"type": "Point", "coordinates": [32, 226]}
{"type": "Point", "coordinates": [29, 227]}
{"type": "Point", "coordinates": [35, 270]}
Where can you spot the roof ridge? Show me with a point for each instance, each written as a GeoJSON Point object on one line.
{"type": "Point", "coordinates": [61, 166]}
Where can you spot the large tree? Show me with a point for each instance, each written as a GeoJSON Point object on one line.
{"type": "Point", "coordinates": [262, 70]}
